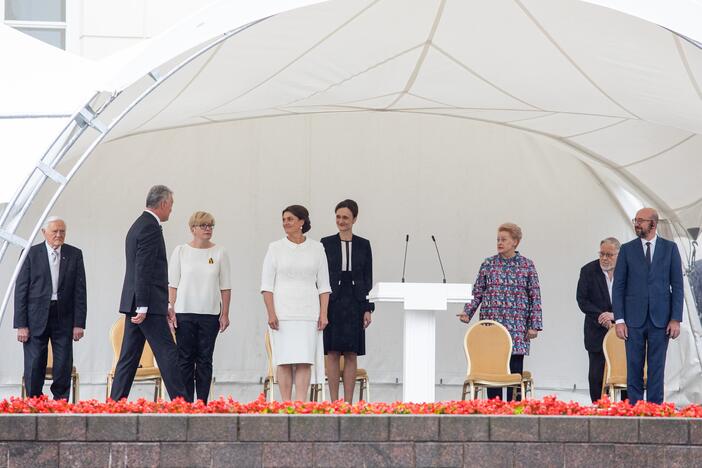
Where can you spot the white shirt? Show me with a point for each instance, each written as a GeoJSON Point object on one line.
{"type": "Point", "coordinates": [54, 264]}
{"type": "Point", "coordinates": [346, 259]}
{"type": "Point", "coordinates": [296, 274]}
{"type": "Point", "coordinates": [610, 282]}
{"type": "Point", "coordinates": [199, 275]}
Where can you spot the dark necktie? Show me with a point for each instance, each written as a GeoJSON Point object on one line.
{"type": "Point", "coordinates": [648, 252]}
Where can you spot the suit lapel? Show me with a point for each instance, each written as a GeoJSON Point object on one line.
{"type": "Point", "coordinates": [63, 265]}
{"type": "Point", "coordinates": [337, 257]}
{"type": "Point", "coordinates": [602, 282]}
{"type": "Point", "coordinates": [658, 254]}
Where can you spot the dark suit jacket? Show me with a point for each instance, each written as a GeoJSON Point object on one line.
{"type": "Point", "coordinates": [640, 290]}
{"type": "Point", "coordinates": [33, 290]}
{"type": "Point", "coordinates": [361, 267]}
{"type": "Point", "coordinates": [146, 275]}
{"type": "Point", "coordinates": [593, 299]}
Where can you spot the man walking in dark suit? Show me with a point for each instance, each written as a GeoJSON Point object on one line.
{"type": "Point", "coordinates": [50, 304]}
{"type": "Point", "coordinates": [594, 298]}
{"type": "Point", "coordinates": [145, 299]}
{"type": "Point", "coordinates": [647, 298]}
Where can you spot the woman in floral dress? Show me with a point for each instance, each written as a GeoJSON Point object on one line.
{"type": "Point", "coordinates": [507, 291]}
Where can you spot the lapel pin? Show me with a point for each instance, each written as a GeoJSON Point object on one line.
{"type": "Point", "coordinates": [210, 261]}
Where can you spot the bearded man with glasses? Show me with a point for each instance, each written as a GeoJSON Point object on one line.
{"type": "Point", "coordinates": [594, 296]}
{"type": "Point", "coordinates": [647, 300]}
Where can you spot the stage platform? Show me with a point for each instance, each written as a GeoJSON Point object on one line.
{"type": "Point", "coordinates": [346, 441]}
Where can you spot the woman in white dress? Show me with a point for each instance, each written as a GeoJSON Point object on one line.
{"type": "Point", "coordinates": [199, 288]}
{"type": "Point", "coordinates": [295, 289]}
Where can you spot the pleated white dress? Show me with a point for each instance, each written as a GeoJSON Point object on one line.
{"type": "Point", "coordinates": [297, 274]}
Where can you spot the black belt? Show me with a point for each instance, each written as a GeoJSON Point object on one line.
{"type": "Point", "coordinates": [53, 303]}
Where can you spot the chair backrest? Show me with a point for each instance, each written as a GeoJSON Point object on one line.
{"type": "Point", "coordinates": [614, 350]}
{"type": "Point", "coordinates": [269, 355]}
{"type": "Point", "coordinates": [488, 348]}
{"type": "Point", "coordinates": [117, 335]}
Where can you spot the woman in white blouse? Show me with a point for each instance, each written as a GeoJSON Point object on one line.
{"type": "Point", "coordinates": [295, 288]}
{"type": "Point", "coordinates": [199, 288]}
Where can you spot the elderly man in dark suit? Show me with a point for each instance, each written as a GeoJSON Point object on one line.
{"type": "Point", "coordinates": [50, 305]}
{"type": "Point", "coordinates": [647, 301]}
{"type": "Point", "coordinates": [594, 296]}
{"type": "Point", "coordinates": [145, 299]}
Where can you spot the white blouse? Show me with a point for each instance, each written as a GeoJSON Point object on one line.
{"type": "Point", "coordinates": [296, 274]}
{"type": "Point", "coordinates": [199, 275]}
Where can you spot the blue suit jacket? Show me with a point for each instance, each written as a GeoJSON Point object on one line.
{"type": "Point", "coordinates": [640, 289]}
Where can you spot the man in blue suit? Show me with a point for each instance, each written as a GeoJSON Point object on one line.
{"type": "Point", "coordinates": [647, 301]}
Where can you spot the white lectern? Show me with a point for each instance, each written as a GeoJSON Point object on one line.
{"type": "Point", "coordinates": [421, 300]}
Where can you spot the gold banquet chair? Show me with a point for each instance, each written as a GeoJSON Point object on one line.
{"type": "Point", "coordinates": [75, 377]}
{"type": "Point", "coordinates": [361, 379]}
{"type": "Point", "coordinates": [614, 381]}
{"type": "Point", "coordinates": [488, 348]}
{"type": "Point", "coordinates": [147, 370]}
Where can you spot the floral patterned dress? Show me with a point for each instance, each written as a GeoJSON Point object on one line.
{"type": "Point", "coordinates": [507, 291]}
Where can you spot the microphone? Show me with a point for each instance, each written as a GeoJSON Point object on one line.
{"type": "Point", "coordinates": [404, 264]}
{"type": "Point", "coordinates": [439, 255]}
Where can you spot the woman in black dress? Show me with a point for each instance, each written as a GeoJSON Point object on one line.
{"type": "Point", "coordinates": [351, 277]}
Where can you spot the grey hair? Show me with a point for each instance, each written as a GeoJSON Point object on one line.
{"type": "Point", "coordinates": [156, 195]}
{"type": "Point", "coordinates": [611, 241]}
{"type": "Point", "coordinates": [50, 220]}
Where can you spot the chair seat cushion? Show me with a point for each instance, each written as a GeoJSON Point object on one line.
{"type": "Point", "coordinates": [495, 378]}
{"type": "Point", "coordinates": [50, 372]}
{"type": "Point", "coordinates": [147, 373]}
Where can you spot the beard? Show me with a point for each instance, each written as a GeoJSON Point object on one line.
{"type": "Point", "coordinates": [641, 232]}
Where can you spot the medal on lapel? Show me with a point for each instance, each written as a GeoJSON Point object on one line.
{"type": "Point", "coordinates": [210, 261]}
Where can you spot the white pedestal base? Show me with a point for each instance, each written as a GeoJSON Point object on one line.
{"type": "Point", "coordinates": [419, 360]}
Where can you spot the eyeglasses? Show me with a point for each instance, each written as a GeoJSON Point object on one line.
{"type": "Point", "coordinates": [606, 255]}
{"type": "Point", "coordinates": [204, 227]}
{"type": "Point", "coordinates": [641, 220]}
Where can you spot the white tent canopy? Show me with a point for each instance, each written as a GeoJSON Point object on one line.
{"type": "Point", "coordinates": [440, 117]}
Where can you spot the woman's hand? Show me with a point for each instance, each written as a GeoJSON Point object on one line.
{"type": "Point", "coordinates": [463, 318]}
{"type": "Point", "coordinates": [532, 334]}
{"type": "Point", "coordinates": [223, 322]}
{"type": "Point", "coordinates": [322, 322]}
{"type": "Point", "coordinates": [273, 321]}
{"type": "Point", "coordinates": [366, 319]}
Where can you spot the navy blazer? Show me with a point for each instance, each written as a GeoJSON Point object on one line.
{"type": "Point", "coordinates": [640, 290]}
{"type": "Point", "coordinates": [146, 274]}
{"type": "Point", "coordinates": [361, 267]}
{"type": "Point", "coordinates": [593, 299]}
{"type": "Point", "coordinates": [33, 290]}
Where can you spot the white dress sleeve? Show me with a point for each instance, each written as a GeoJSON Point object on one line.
{"type": "Point", "coordinates": [225, 272]}
{"type": "Point", "coordinates": [323, 272]}
{"type": "Point", "coordinates": [174, 268]}
{"type": "Point", "coordinates": [268, 272]}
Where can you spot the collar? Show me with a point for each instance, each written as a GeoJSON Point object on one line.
{"type": "Point", "coordinates": [50, 249]}
{"type": "Point", "coordinates": [652, 241]}
{"type": "Point", "coordinates": [154, 215]}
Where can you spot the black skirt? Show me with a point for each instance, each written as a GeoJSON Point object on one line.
{"type": "Point", "coordinates": [345, 332]}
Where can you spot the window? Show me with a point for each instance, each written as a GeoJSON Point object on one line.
{"type": "Point", "coordinates": [42, 19]}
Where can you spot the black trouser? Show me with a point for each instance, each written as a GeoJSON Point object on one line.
{"type": "Point", "coordinates": [196, 335]}
{"type": "Point", "coordinates": [516, 366]}
{"type": "Point", "coordinates": [596, 374]}
{"type": "Point", "coordinates": [155, 330]}
{"type": "Point", "coordinates": [60, 331]}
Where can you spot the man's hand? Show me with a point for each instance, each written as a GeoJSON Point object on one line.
{"type": "Point", "coordinates": [78, 333]}
{"type": "Point", "coordinates": [367, 319]}
{"type": "Point", "coordinates": [23, 334]}
{"type": "Point", "coordinates": [138, 318]}
{"type": "Point", "coordinates": [532, 334]}
{"type": "Point", "coordinates": [223, 322]}
{"type": "Point", "coordinates": [673, 329]}
{"type": "Point", "coordinates": [621, 331]}
{"type": "Point", "coordinates": [605, 318]}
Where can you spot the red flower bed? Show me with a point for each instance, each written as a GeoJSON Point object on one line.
{"type": "Point", "coordinates": [549, 405]}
